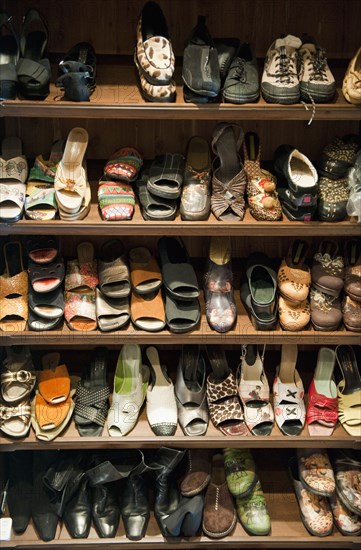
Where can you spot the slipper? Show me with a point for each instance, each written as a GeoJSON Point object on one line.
{"type": "Point", "coordinates": [48, 305]}
{"type": "Point", "coordinates": [322, 396]}
{"type": "Point", "coordinates": [40, 203]}
{"type": "Point", "coordinates": [166, 176]}
{"type": "Point", "coordinates": [50, 416]}
{"type": "Point", "coordinates": [80, 282]}
{"type": "Point", "coordinates": [70, 177]}
{"type": "Point", "coordinates": [42, 249]}
{"type": "Point", "coordinates": [14, 171]}
{"type": "Point", "coordinates": [53, 379]}
{"type": "Point", "coordinates": [13, 290]}
{"type": "Point", "coordinates": [124, 164]}
{"type": "Point", "coordinates": [40, 324]}
{"type": "Point", "coordinates": [182, 315]}
{"type": "Point", "coordinates": [178, 274]}
{"type": "Point", "coordinates": [349, 391]}
{"type": "Point", "coordinates": [145, 273]}
{"type": "Point", "coordinates": [114, 279]}
{"type": "Point", "coordinates": [147, 312]}
{"type": "Point", "coordinates": [15, 421]}
{"type": "Point", "coordinates": [152, 206]}
{"type": "Point", "coordinates": [48, 277]}
{"type": "Point", "coordinates": [92, 396]}
{"type": "Point", "coordinates": [116, 200]}
{"type": "Point", "coordinates": [112, 313]}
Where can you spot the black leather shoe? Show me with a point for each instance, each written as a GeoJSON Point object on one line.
{"type": "Point", "coordinates": [44, 517]}
{"type": "Point", "coordinates": [106, 510]}
{"type": "Point", "coordinates": [78, 512]}
{"type": "Point", "coordinates": [20, 489]}
{"type": "Point", "coordinates": [135, 507]}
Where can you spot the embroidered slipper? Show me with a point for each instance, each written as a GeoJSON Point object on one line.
{"type": "Point", "coordinates": [13, 290]}
{"type": "Point", "coordinates": [124, 164]}
{"type": "Point", "coordinates": [145, 273]}
{"type": "Point", "coordinates": [112, 313]}
{"type": "Point", "coordinates": [114, 278]}
{"type": "Point", "coordinates": [182, 315]}
{"type": "Point", "coordinates": [179, 276]}
{"type": "Point", "coordinates": [14, 171]}
{"type": "Point", "coordinates": [15, 421]}
{"type": "Point", "coordinates": [48, 277]}
{"type": "Point", "coordinates": [70, 177]}
{"type": "Point", "coordinates": [42, 249]}
{"type": "Point", "coordinates": [147, 312]}
{"type": "Point", "coordinates": [349, 391]}
{"type": "Point", "coordinates": [116, 200]}
{"type": "Point", "coordinates": [153, 207]}
{"type": "Point", "coordinates": [49, 305]}
{"type": "Point", "coordinates": [53, 379]}
{"type": "Point", "coordinates": [166, 176]}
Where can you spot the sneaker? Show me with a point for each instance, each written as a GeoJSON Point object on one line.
{"type": "Point", "coordinates": [317, 83]}
{"type": "Point", "coordinates": [280, 82]}
{"type": "Point", "coordinates": [242, 83]}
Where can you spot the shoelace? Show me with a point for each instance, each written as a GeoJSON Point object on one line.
{"type": "Point", "coordinates": [240, 74]}
{"type": "Point", "coordinates": [284, 72]}
{"type": "Point", "coordinates": [318, 63]}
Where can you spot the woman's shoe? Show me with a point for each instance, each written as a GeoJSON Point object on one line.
{"type": "Point", "coordinates": [322, 396]}
{"type": "Point", "coordinates": [161, 401]}
{"type": "Point", "coordinates": [326, 312]}
{"type": "Point", "coordinates": [288, 393]}
{"type": "Point", "coordinates": [315, 472]}
{"type": "Point", "coordinates": [252, 512]}
{"type": "Point", "coordinates": [18, 376]}
{"type": "Point", "coordinates": [221, 310]}
{"type": "Point", "coordinates": [76, 72]}
{"type": "Point", "coordinates": [349, 391]}
{"type": "Point", "coordinates": [130, 387]}
{"type": "Point", "coordinates": [254, 392]}
{"type": "Point", "coordinates": [198, 472]}
{"type": "Point", "coordinates": [9, 54]}
{"type": "Point", "coordinates": [327, 271]}
{"type": "Point", "coordinates": [351, 88]}
{"type": "Point", "coordinates": [229, 178]}
{"type": "Point", "coordinates": [351, 314]}
{"type": "Point", "coordinates": [262, 283]}
{"type": "Point", "coordinates": [196, 198]}
{"type": "Point", "coordinates": [187, 519]}
{"type": "Point", "coordinates": [78, 512]}
{"type": "Point", "coordinates": [294, 276]}
{"type": "Point", "coordinates": [262, 196]}
{"type": "Point", "coordinates": [347, 522]}
{"type": "Point", "coordinates": [13, 290]}
{"type": "Point", "coordinates": [347, 470]}
{"type": "Point", "coordinates": [14, 171]}
{"type": "Point", "coordinates": [352, 282]}
{"type": "Point", "coordinates": [240, 471]}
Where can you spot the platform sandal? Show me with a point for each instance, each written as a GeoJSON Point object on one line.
{"type": "Point", "coordinates": [13, 290]}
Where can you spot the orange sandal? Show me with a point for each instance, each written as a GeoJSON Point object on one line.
{"type": "Point", "coordinates": [50, 416]}
{"type": "Point", "coordinates": [53, 380]}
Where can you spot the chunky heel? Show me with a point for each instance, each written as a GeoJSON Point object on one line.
{"type": "Point", "coordinates": [7, 89]}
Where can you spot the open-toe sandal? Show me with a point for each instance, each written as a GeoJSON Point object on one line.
{"type": "Point", "coordinates": [152, 206]}
{"type": "Point", "coordinates": [124, 165]}
{"type": "Point", "coordinates": [254, 392]}
{"type": "Point", "coordinates": [145, 273]}
{"type": "Point", "coordinates": [15, 420]}
{"type": "Point", "coordinates": [46, 277]}
{"type": "Point", "coordinates": [53, 379]}
{"type": "Point", "coordinates": [13, 290]}
{"type": "Point", "coordinates": [179, 277]}
{"type": "Point", "coordinates": [14, 171]}
{"type": "Point", "coordinates": [147, 312]}
{"type": "Point", "coordinates": [33, 68]}
{"type": "Point", "coordinates": [349, 391]}
{"type": "Point", "coordinates": [229, 178]}
{"type": "Point", "coordinates": [288, 393]}
{"type": "Point", "coordinates": [18, 376]}
{"type": "Point", "coordinates": [80, 283]}
{"type": "Point", "coordinates": [116, 200]}
{"type": "Point", "coordinates": [322, 396]}
{"type": "Point", "coordinates": [190, 391]}
{"type": "Point", "coordinates": [112, 313]}
{"type": "Point", "coordinates": [114, 278]}
{"type": "Point", "coordinates": [166, 176]}
{"type": "Point", "coordinates": [47, 305]}
{"type": "Point", "coordinates": [224, 406]}
{"type": "Point", "coordinates": [42, 249]}
{"type": "Point", "coordinates": [92, 396]}
{"type": "Point", "coordinates": [182, 315]}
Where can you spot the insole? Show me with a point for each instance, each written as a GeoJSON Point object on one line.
{"type": "Point", "coordinates": [218, 473]}
{"type": "Point", "coordinates": [220, 250]}
{"type": "Point", "coordinates": [198, 155]}
{"type": "Point", "coordinates": [297, 251]}
{"type": "Point", "coordinates": [302, 173]}
{"type": "Point", "coordinates": [8, 50]}
{"type": "Point", "coordinates": [190, 358]}
{"type": "Point", "coordinates": [228, 156]}
{"type": "Point", "coordinates": [218, 361]}
{"type": "Point", "coordinates": [252, 144]}
{"type": "Point", "coordinates": [324, 370]}
{"type": "Point", "coordinates": [34, 45]}
{"type": "Point", "coordinates": [176, 252]}
{"type": "Point", "coordinates": [48, 311]}
{"type": "Point", "coordinates": [153, 357]}
{"type": "Point", "coordinates": [262, 286]}
{"type": "Point", "coordinates": [354, 253]}
{"type": "Point", "coordinates": [349, 370]}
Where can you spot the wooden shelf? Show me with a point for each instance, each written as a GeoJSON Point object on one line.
{"type": "Point", "coordinates": [142, 437]}
{"type": "Point", "coordinates": [94, 225]}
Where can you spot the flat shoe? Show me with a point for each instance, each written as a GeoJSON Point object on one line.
{"type": "Point", "coordinates": [179, 277]}
{"type": "Point", "coordinates": [112, 313]}
{"type": "Point", "coordinates": [147, 312]}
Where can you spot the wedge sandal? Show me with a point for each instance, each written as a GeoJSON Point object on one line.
{"type": "Point", "coordinates": [124, 165]}
{"type": "Point", "coordinates": [182, 315]}
{"type": "Point", "coordinates": [349, 391]}
{"type": "Point", "coordinates": [153, 207]}
{"type": "Point", "coordinates": [145, 272]}
{"type": "Point", "coordinates": [53, 379]}
{"type": "Point", "coordinates": [14, 172]}
{"type": "Point", "coordinates": [112, 313]}
{"type": "Point", "coordinates": [179, 276]}
{"type": "Point", "coordinates": [13, 290]}
{"type": "Point", "coordinates": [116, 200]}
{"type": "Point", "coordinates": [166, 176]}
{"type": "Point", "coordinates": [48, 306]}
{"type": "Point", "coordinates": [18, 377]}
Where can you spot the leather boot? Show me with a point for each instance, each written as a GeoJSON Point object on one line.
{"type": "Point", "coordinates": [44, 517]}
{"type": "Point", "coordinates": [106, 510]}
{"type": "Point", "coordinates": [167, 496]}
{"type": "Point", "coordinates": [20, 489]}
{"type": "Point", "coordinates": [78, 512]}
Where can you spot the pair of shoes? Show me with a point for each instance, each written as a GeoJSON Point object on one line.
{"type": "Point", "coordinates": [153, 55]}
{"type": "Point", "coordinates": [351, 87]}
{"type": "Point", "coordinates": [77, 72]}
{"type": "Point", "coordinates": [24, 69]}
{"type": "Point", "coordinates": [14, 171]}
{"type": "Point", "coordinates": [297, 69]}
{"type": "Point", "coordinates": [115, 193]}
{"type": "Point", "coordinates": [299, 180]}
{"type": "Point", "coordinates": [294, 281]}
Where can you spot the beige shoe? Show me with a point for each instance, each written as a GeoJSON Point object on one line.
{"type": "Point", "coordinates": [293, 317]}
{"type": "Point", "coordinates": [351, 86]}
{"type": "Point", "coordinates": [294, 276]}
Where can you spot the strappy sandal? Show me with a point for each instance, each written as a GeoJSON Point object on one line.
{"type": "Point", "coordinates": [15, 421]}
{"type": "Point", "coordinates": [18, 377]}
{"type": "Point", "coordinates": [13, 290]}
{"type": "Point", "coordinates": [229, 178]}
{"type": "Point", "coordinates": [349, 391]}
{"type": "Point", "coordinates": [114, 278]}
{"type": "Point", "coordinates": [190, 391]}
{"type": "Point", "coordinates": [124, 165]}
{"type": "Point", "coordinates": [80, 282]}
{"type": "Point", "coordinates": [92, 396]}
{"type": "Point", "coordinates": [322, 396]}
{"type": "Point", "coordinates": [254, 391]}
{"type": "Point", "coordinates": [262, 196]}
{"type": "Point", "coordinates": [112, 313]}
{"type": "Point", "coordinates": [77, 71]}
{"type": "Point", "coordinates": [53, 379]}
{"type": "Point", "coordinates": [14, 171]}
{"type": "Point", "coordinates": [33, 68]}
{"type": "Point", "coordinates": [40, 201]}
{"type": "Point", "coordinates": [48, 277]}
{"type": "Point", "coordinates": [288, 393]}
{"type": "Point", "coordinates": [224, 406]}
{"type": "Point", "coordinates": [179, 277]}
{"type": "Point", "coordinates": [9, 52]}
{"type": "Point", "coordinates": [42, 249]}
{"type": "Point", "coordinates": [145, 272]}
{"type": "Point", "coordinates": [116, 200]}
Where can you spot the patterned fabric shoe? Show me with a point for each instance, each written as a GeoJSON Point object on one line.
{"type": "Point", "coordinates": [293, 317]}
{"type": "Point", "coordinates": [352, 283]}
{"type": "Point", "coordinates": [252, 512]}
{"type": "Point", "coordinates": [294, 276]}
{"type": "Point", "coordinates": [351, 311]}
{"type": "Point", "coordinates": [116, 200]}
{"type": "Point", "coordinates": [332, 199]}
{"type": "Point", "coordinates": [240, 470]}
{"type": "Point", "coordinates": [317, 83]}
{"type": "Point", "coordinates": [326, 311]}
{"type": "Point", "coordinates": [327, 270]}
{"type": "Point", "coordinates": [338, 156]}
{"type": "Point", "coordinates": [346, 522]}
{"type": "Point", "coordinates": [315, 472]}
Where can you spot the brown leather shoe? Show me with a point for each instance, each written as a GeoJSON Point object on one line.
{"type": "Point", "coordinates": [352, 285]}
{"type": "Point", "coordinates": [293, 317]}
{"type": "Point", "coordinates": [326, 311]}
{"type": "Point", "coordinates": [219, 514]}
{"type": "Point", "coordinates": [294, 277]}
{"type": "Point", "coordinates": [327, 270]}
{"type": "Point", "coordinates": [351, 311]}
{"type": "Point", "coordinates": [198, 473]}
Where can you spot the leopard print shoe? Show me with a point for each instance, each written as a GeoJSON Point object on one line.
{"type": "Point", "coordinates": [315, 471]}
{"type": "Point", "coordinates": [294, 276]}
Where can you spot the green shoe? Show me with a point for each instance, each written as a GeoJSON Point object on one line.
{"type": "Point", "coordinates": [252, 512]}
{"type": "Point", "coordinates": [240, 471]}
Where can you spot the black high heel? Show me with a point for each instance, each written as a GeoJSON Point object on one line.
{"type": "Point", "coordinates": [187, 518]}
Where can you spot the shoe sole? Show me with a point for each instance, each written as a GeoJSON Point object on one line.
{"type": "Point", "coordinates": [281, 100]}
{"type": "Point", "coordinates": [240, 100]}
{"type": "Point", "coordinates": [325, 329]}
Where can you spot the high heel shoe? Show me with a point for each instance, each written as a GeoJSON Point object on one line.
{"type": "Point", "coordinates": [186, 520]}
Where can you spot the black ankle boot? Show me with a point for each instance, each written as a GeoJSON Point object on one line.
{"type": "Point", "coordinates": [44, 517]}
{"type": "Point", "coordinates": [106, 509]}
{"type": "Point", "coordinates": [20, 489]}
{"type": "Point", "coordinates": [78, 512]}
